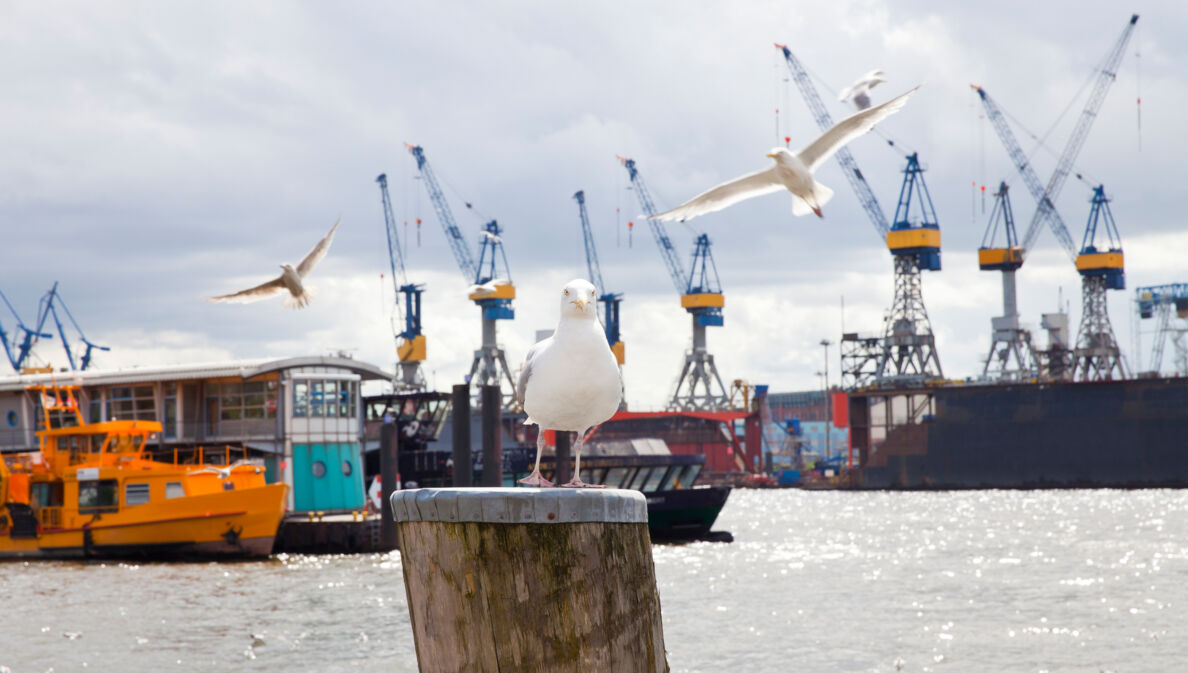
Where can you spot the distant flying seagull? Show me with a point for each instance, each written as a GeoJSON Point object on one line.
{"type": "Point", "coordinates": [859, 91]}
{"type": "Point", "coordinates": [570, 381]}
{"type": "Point", "coordinates": [793, 172]}
{"type": "Point", "coordinates": [491, 237]}
{"type": "Point", "coordinates": [290, 279]}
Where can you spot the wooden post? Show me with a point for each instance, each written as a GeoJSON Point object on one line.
{"type": "Point", "coordinates": [492, 401]}
{"type": "Point", "coordinates": [463, 461]}
{"type": "Point", "coordinates": [389, 471]}
{"type": "Point", "coordinates": [517, 579]}
{"type": "Point", "coordinates": [562, 468]}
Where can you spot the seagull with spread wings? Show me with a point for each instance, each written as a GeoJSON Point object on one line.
{"type": "Point", "coordinates": [290, 279]}
{"type": "Point", "coordinates": [793, 172]}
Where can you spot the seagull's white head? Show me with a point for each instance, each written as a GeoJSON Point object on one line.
{"type": "Point", "coordinates": [779, 152]}
{"type": "Point", "coordinates": [577, 300]}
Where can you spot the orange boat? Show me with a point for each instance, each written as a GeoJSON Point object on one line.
{"type": "Point", "coordinates": [93, 491]}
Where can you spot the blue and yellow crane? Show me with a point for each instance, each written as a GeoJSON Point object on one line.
{"type": "Point", "coordinates": [47, 307]}
{"type": "Point", "coordinates": [18, 347]}
{"type": "Point", "coordinates": [411, 346]}
{"type": "Point", "coordinates": [699, 387]}
{"type": "Point", "coordinates": [610, 301]}
{"type": "Point", "coordinates": [491, 286]}
{"type": "Point", "coordinates": [906, 354]}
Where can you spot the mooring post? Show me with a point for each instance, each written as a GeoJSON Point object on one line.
{"type": "Point", "coordinates": [518, 579]}
{"type": "Point", "coordinates": [561, 460]}
{"type": "Point", "coordinates": [389, 476]}
{"type": "Point", "coordinates": [492, 436]}
{"type": "Point", "coordinates": [460, 419]}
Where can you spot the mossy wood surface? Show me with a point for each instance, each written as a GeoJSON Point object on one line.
{"type": "Point", "coordinates": [496, 597]}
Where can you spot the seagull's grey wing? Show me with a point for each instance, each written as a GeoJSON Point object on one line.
{"type": "Point", "coordinates": [849, 128]}
{"type": "Point", "coordinates": [319, 251]}
{"type": "Point", "coordinates": [726, 194]}
{"type": "Point", "coordinates": [274, 286]}
{"type": "Point", "coordinates": [526, 372]}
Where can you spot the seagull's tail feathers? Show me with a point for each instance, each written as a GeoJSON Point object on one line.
{"type": "Point", "coordinates": [822, 193]}
{"type": "Point", "coordinates": [302, 300]}
{"type": "Point", "coordinates": [800, 206]}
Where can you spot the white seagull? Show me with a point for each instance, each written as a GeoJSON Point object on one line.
{"type": "Point", "coordinates": [570, 381]}
{"type": "Point", "coordinates": [488, 288]}
{"type": "Point", "coordinates": [793, 172]}
{"type": "Point", "coordinates": [859, 91]}
{"type": "Point", "coordinates": [290, 279]}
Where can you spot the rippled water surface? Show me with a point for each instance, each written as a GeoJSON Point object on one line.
{"type": "Point", "coordinates": [815, 581]}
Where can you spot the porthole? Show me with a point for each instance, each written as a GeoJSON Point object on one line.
{"type": "Point", "coordinates": [347, 468]}
{"type": "Point", "coordinates": [11, 417]}
{"type": "Point", "coordinates": [319, 469]}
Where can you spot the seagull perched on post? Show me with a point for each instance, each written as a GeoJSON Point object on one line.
{"type": "Point", "coordinates": [570, 381]}
{"type": "Point", "coordinates": [859, 91]}
{"type": "Point", "coordinates": [290, 279]}
{"type": "Point", "coordinates": [793, 172]}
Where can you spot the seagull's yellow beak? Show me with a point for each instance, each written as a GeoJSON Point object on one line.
{"type": "Point", "coordinates": [580, 303]}
{"type": "Point", "coordinates": [771, 155]}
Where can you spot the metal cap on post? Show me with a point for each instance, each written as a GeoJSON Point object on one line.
{"type": "Point", "coordinates": [460, 419]}
{"type": "Point", "coordinates": [502, 579]}
{"type": "Point", "coordinates": [492, 436]}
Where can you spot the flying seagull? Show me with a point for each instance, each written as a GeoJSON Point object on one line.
{"type": "Point", "coordinates": [859, 91]}
{"type": "Point", "coordinates": [793, 172]}
{"type": "Point", "coordinates": [488, 288]}
{"type": "Point", "coordinates": [570, 381]}
{"type": "Point", "coordinates": [290, 279]}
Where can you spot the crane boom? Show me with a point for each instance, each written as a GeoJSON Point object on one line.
{"type": "Point", "coordinates": [395, 253]}
{"type": "Point", "coordinates": [1106, 75]}
{"type": "Point", "coordinates": [453, 234]}
{"type": "Point", "coordinates": [825, 122]}
{"type": "Point", "coordinates": [592, 265]}
{"type": "Point", "coordinates": [667, 250]}
{"type": "Point", "coordinates": [1046, 209]}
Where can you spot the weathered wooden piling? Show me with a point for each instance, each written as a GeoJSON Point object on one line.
{"type": "Point", "coordinates": [463, 475]}
{"type": "Point", "coordinates": [518, 579]}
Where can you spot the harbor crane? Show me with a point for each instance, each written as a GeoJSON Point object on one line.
{"type": "Point", "coordinates": [411, 347]}
{"type": "Point", "coordinates": [18, 347]}
{"type": "Point", "coordinates": [491, 286]}
{"type": "Point", "coordinates": [609, 300]}
{"type": "Point", "coordinates": [1161, 302]}
{"type": "Point", "coordinates": [699, 387]}
{"type": "Point", "coordinates": [1012, 353]}
{"type": "Point", "coordinates": [1096, 359]}
{"type": "Point", "coordinates": [906, 354]}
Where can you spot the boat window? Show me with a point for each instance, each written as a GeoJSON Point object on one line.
{"type": "Point", "coordinates": [98, 495]}
{"type": "Point", "coordinates": [315, 399]}
{"type": "Point", "coordinates": [135, 494]}
{"type": "Point", "coordinates": [11, 417]}
{"type": "Point", "coordinates": [689, 476]}
{"type": "Point", "coordinates": [615, 476]}
{"type": "Point", "coordinates": [347, 468]}
{"type": "Point", "coordinates": [639, 478]}
{"type": "Point", "coordinates": [319, 469]}
{"type": "Point", "coordinates": [654, 479]}
{"type": "Point", "coordinates": [174, 489]}
{"type": "Point", "coordinates": [46, 494]}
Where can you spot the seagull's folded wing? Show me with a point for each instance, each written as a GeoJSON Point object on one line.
{"type": "Point", "coordinates": [726, 194]}
{"type": "Point", "coordinates": [319, 251]}
{"type": "Point", "coordinates": [274, 286]}
{"type": "Point", "coordinates": [849, 128]}
{"type": "Point", "coordinates": [526, 372]}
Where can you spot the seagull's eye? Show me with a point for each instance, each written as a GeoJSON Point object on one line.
{"type": "Point", "coordinates": [591, 293]}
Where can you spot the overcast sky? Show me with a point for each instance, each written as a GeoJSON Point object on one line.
{"type": "Point", "coordinates": [157, 153]}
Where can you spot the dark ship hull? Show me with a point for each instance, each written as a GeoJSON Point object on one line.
{"type": "Point", "coordinates": [1123, 434]}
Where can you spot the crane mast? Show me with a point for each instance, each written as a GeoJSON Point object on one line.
{"type": "Point", "coordinates": [492, 293]}
{"type": "Point", "coordinates": [609, 300]}
{"type": "Point", "coordinates": [27, 340]}
{"type": "Point", "coordinates": [698, 386]}
{"type": "Point", "coordinates": [411, 347]}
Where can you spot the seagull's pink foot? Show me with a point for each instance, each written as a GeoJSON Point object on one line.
{"type": "Point", "coordinates": [536, 479]}
{"type": "Point", "coordinates": [578, 483]}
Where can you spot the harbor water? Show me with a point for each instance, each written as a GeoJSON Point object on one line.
{"type": "Point", "coordinates": [815, 581]}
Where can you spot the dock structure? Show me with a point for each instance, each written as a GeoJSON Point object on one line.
{"type": "Point", "coordinates": [516, 579]}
